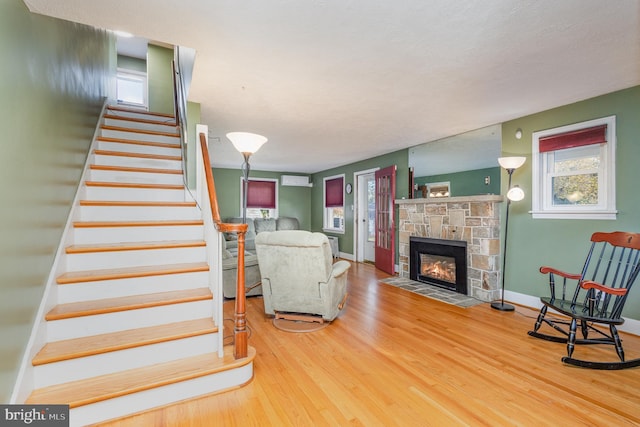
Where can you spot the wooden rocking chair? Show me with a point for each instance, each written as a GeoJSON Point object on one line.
{"type": "Point", "coordinates": [594, 297]}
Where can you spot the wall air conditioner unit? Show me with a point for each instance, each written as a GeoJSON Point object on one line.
{"type": "Point", "coordinates": [295, 181]}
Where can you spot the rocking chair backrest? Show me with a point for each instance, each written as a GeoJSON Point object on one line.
{"type": "Point", "coordinates": [613, 261]}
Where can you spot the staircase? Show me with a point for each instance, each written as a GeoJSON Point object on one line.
{"type": "Point", "coordinates": [132, 327]}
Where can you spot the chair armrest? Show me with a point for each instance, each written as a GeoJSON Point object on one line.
{"type": "Point", "coordinates": [588, 284]}
{"type": "Point", "coordinates": [547, 270]}
{"type": "Point", "coordinates": [339, 268]}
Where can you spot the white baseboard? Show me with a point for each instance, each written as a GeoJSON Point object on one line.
{"type": "Point", "coordinates": [630, 326]}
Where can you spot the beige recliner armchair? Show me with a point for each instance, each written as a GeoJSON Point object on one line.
{"type": "Point", "coordinates": [298, 274]}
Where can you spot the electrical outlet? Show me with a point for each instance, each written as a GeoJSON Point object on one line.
{"type": "Point", "coordinates": [487, 180]}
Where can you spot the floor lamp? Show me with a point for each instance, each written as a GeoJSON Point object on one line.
{"type": "Point", "coordinates": [514, 194]}
{"type": "Point", "coordinates": [247, 144]}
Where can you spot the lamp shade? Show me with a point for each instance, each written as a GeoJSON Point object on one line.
{"type": "Point", "coordinates": [515, 194]}
{"type": "Point", "coordinates": [511, 162]}
{"type": "Point", "coordinates": [246, 142]}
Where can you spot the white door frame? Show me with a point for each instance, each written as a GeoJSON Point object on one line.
{"type": "Point", "coordinates": [358, 254]}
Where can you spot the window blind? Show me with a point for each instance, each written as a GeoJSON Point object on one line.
{"type": "Point", "coordinates": [333, 192]}
{"type": "Point", "coordinates": [577, 138]}
{"type": "Point", "coordinates": [261, 194]}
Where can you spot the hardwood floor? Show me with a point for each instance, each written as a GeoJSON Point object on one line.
{"type": "Point", "coordinates": [394, 358]}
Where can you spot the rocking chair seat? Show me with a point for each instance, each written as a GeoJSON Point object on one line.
{"type": "Point", "coordinates": [596, 297]}
{"type": "Point", "coordinates": [579, 311]}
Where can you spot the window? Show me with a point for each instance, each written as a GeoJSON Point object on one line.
{"type": "Point", "coordinates": [574, 171]}
{"type": "Point", "coordinates": [334, 204]}
{"type": "Point", "coordinates": [131, 88]}
{"type": "Point", "coordinates": [262, 198]}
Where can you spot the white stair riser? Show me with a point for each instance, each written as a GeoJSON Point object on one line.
{"type": "Point", "coordinates": [135, 177]}
{"type": "Point", "coordinates": [89, 235]}
{"type": "Point", "coordinates": [137, 213]}
{"type": "Point", "coordinates": [112, 322]}
{"type": "Point", "coordinates": [139, 136]}
{"type": "Point", "coordinates": [141, 115]}
{"type": "Point", "coordinates": [138, 148]}
{"type": "Point", "coordinates": [124, 259]}
{"type": "Point", "coordinates": [160, 396]}
{"type": "Point", "coordinates": [86, 291]}
{"type": "Point", "coordinates": [134, 194]}
{"type": "Point", "coordinates": [136, 162]}
{"type": "Point", "coordinates": [115, 361]}
{"type": "Point", "coordinates": [124, 123]}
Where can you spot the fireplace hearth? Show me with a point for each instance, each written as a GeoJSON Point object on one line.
{"type": "Point", "coordinates": [439, 262]}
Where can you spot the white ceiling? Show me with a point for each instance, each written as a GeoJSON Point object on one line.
{"type": "Point", "coordinates": [330, 82]}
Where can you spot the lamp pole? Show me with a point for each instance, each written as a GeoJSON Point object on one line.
{"type": "Point", "coordinates": [500, 305]}
{"type": "Point", "coordinates": [245, 184]}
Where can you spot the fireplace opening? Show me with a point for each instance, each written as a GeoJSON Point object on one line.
{"type": "Point", "coordinates": [439, 262]}
{"type": "Point", "coordinates": [438, 267]}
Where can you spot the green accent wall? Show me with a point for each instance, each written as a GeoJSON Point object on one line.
{"type": "Point", "coordinates": [129, 63]}
{"type": "Point", "coordinates": [563, 243]}
{"type": "Point", "coordinates": [54, 78]}
{"type": "Point", "coordinates": [160, 79]}
{"type": "Point", "coordinates": [193, 118]}
{"type": "Point", "coordinates": [399, 158]}
{"type": "Point", "coordinates": [466, 183]}
{"type": "Point", "coordinates": [292, 201]}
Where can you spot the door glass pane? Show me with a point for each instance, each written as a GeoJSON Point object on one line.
{"type": "Point", "coordinates": [371, 210]}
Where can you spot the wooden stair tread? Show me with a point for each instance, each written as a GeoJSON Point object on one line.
{"type": "Point", "coordinates": [139, 142]}
{"type": "Point", "coordinates": [133, 185]}
{"type": "Point", "coordinates": [133, 302]}
{"type": "Point", "coordinates": [105, 343]}
{"type": "Point", "coordinates": [138, 155]}
{"type": "Point", "coordinates": [92, 390]}
{"type": "Point", "coordinates": [133, 246]}
{"type": "Point", "coordinates": [133, 203]}
{"type": "Point", "coordinates": [138, 111]}
{"type": "Point", "coordinates": [143, 131]}
{"type": "Point", "coordinates": [158, 223]}
{"type": "Point", "coordinates": [130, 272]}
{"type": "Point", "coordinates": [133, 169]}
{"type": "Point", "coordinates": [138, 120]}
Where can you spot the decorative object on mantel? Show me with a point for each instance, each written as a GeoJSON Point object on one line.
{"type": "Point", "coordinates": [247, 144]}
{"type": "Point", "coordinates": [513, 194]}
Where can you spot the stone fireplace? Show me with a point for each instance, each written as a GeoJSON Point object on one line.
{"type": "Point", "coordinates": [471, 219]}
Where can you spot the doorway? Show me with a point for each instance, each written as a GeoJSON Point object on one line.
{"type": "Point", "coordinates": [365, 198]}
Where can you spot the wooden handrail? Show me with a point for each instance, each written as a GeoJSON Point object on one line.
{"type": "Point", "coordinates": [240, 317]}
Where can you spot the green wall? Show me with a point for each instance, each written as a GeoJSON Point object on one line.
{"type": "Point", "coordinates": [292, 201]}
{"type": "Point", "coordinates": [160, 79]}
{"type": "Point", "coordinates": [193, 118]}
{"type": "Point", "coordinates": [129, 63]}
{"type": "Point", "coordinates": [399, 158]}
{"type": "Point", "coordinates": [466, 183]}
{"type": "Point", "coordinates": [563, 243]}
{"type": "Point", "coordinates": [54, 78]}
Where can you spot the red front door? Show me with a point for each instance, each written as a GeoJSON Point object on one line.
{"type": "Point", "coordinates": [385, 226]}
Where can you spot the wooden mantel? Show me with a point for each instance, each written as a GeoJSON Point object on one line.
{"type": "Point", "coordinates": [494, 198]}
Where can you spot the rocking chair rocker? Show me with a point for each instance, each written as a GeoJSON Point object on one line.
{"type": "Point", "coordinates": [594, 297]}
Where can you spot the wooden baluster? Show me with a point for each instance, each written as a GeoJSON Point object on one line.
{"type": "Point", "coordinates": [240, 348]}
{"type": "Point", "coordinates": [240, 325]}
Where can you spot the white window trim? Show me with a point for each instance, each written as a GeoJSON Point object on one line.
{"type": "Point", "coordinates": [274, 211]}
{"type": "Point", "coordinates": [324, 202]}
{"type": "Point", "coordinates": [608, 180]}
